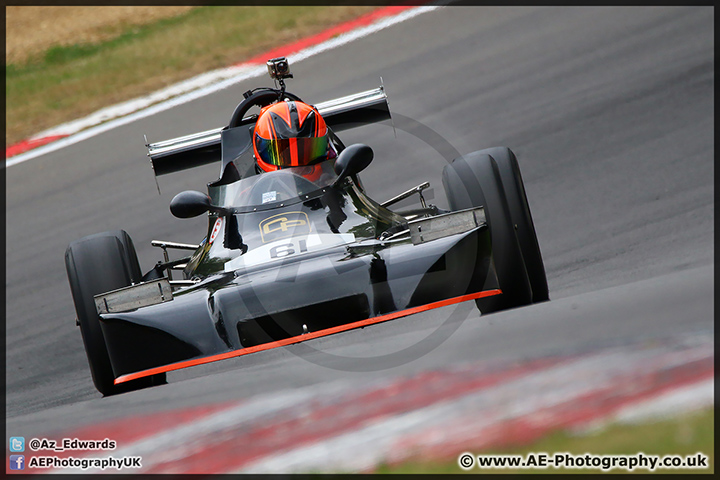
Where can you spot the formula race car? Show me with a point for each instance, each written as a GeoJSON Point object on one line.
{"type": "Point", "coordinates": [298, 252]}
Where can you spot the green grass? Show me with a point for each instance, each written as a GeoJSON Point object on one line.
{"type": "Point", "coordinates": [684, 435]}
{"type": "Point", "coordinates": [67, 82]}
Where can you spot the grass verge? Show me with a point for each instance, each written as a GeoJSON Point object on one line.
{"type": "Point", "coordinates": [68, 82]}
{"type": "Point", "coordinates": [684, 435]}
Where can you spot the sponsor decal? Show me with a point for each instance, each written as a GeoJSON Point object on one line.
{"type": "Point", "coordinates": [216, 229]}
{"type": "Point", "coordinates": [268, 197]}
{"type": "Point", "coordinates": [284, 225]}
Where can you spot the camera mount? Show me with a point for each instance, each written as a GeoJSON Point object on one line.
{"type": "Point", "coordinates": [279, 70]}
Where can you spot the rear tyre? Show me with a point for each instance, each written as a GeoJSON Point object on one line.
{"type": "Point", "coordinates": [97, 264]}
{"type": "Point", "coordinates": [474, 180]}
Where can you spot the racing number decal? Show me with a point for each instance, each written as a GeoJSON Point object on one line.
{"type": "Point", "coordinates": [284, 225]}
{"type": "Point", "coordinates": [281, 249]}
{"type": "Point", "coordinates": [215, 230]}
{"type": "Point", "coordinates": [287, 249]}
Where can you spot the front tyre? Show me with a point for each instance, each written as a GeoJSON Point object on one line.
{"type": "Point", "coordinates": [474, 180]}
{"type": "Point", "coordinates": [96, 264]}
{"type": "Point", "coordinates": [521, 218]}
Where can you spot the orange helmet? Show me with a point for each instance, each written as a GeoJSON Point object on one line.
{"type": "Point", "coordinates": [289, 134]}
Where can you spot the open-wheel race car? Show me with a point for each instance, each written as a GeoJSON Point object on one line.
{"type": "Point", "coordinates": [298, 251]}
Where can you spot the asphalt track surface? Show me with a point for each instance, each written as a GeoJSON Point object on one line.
{"type": "Point", "coordinates": [609, 110]}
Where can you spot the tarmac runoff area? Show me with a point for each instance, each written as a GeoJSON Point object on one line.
{"type": "Point", "coordinates": [432, 414]}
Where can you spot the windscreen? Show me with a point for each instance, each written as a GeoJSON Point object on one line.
{"type": "Point", "coordinates": [281, 187]}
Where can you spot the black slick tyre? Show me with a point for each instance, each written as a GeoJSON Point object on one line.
{"type": "Point", "coordinates": [474, 180]}
{"type": "Point", "coordinates": [96, 264]}
{"type": "Point", "coordinates": [522, 219]}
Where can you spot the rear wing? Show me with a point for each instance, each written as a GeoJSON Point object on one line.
{"type": "Point", "coordinates": [202, 148]}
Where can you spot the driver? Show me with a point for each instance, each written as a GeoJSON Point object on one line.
{"type": "Point", "coordinates": [291, 134]}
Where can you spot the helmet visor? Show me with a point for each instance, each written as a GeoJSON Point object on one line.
{"type": "Point", "coordinates": [292, 152]}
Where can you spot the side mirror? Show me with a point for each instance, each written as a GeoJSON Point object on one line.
{"type": "Point", "coordinates": [190, 204]}
{"type": "Point", "coordinates": [353, 160]}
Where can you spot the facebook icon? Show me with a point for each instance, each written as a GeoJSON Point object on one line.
{"type": "Point", "coordinates": [17, 462]}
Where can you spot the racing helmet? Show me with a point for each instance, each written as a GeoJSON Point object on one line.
{"type": "Point", "coordinates": [290, 134]}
